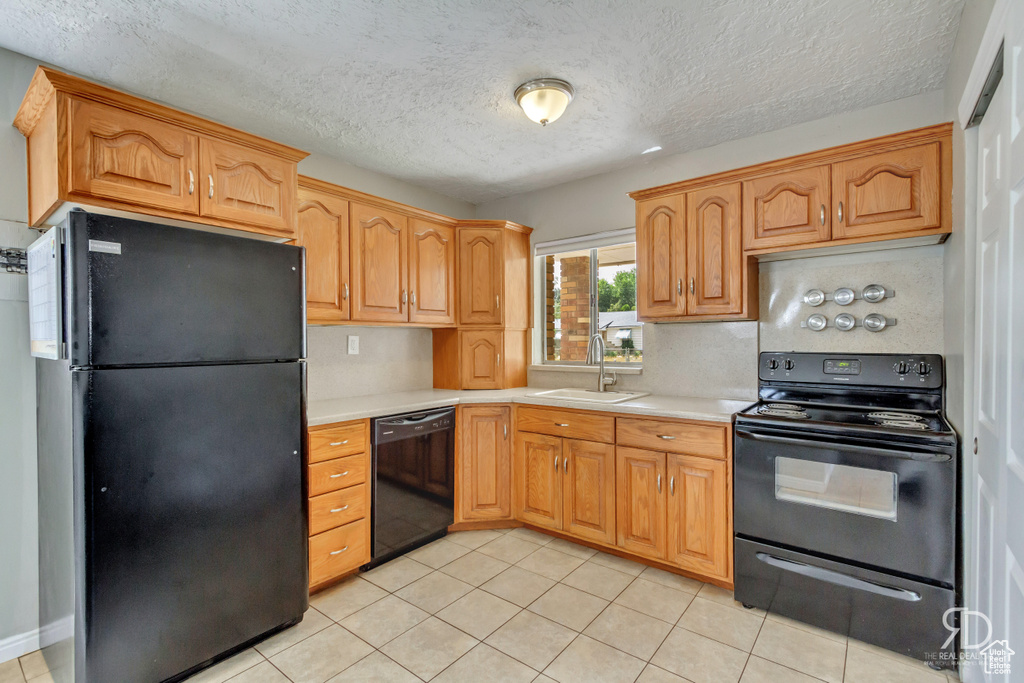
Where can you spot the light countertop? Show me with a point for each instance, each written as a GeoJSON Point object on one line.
{"type": "Point", "coordinates": [358, 407]}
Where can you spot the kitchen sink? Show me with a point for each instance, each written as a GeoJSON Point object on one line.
{"type": "Point", "coordinates": [592, 396]}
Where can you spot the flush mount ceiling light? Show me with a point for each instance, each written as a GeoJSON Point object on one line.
{"type": "Point", "coordinates": [544, 99]}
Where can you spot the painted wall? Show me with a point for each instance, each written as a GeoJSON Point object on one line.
{"type": "Point", "coordinates": [719, 360]}
{"type": "Point", "coordinates": [330, 372]}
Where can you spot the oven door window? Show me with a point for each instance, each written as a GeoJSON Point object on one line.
{"type": "Point", "coordinates": [855, 490]}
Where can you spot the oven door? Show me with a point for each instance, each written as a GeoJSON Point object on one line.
{"type": "Point", "coordinates": [884, 505]}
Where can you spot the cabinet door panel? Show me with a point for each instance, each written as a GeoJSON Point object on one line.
{"type": "Point", "coordinates": [431, 273]}
{"type": "Point", "coordinates": [243, 185]}
{"type": "Point", "coordinates": [589, 490]}
{"type": "Point", "coordinates": [133, 159]}
{"type": "Point", "coordinates": [379, 271]}
{"type": "Point", "coordinates": [698, 515]}
{"type": "Point", "coordinates": [640, 498]}
{"type": "Point", "coordinates": [480, 276]}
{"type": "Point", "coordinates": [715, 250]}
{"type": "Point", "coordinates": [890, 192]}
{"type": "Point", "coordinates": [323, 231]}
{"type": "Point", "coordinates": [485, 465]}
{"type": "Point", "coordinates": [661, 257]}
{"type": "Point", "coordinates": [787, 208]}
{"type": "Point", "coordinates": [538, 480]}
{"type": "Point", "coordinates": [480, 359]}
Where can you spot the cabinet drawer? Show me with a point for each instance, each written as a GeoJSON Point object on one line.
{"type": "Point", "coordinates": [672, 437]}
{"type": "Point", "coordinates": [346, 439]}
{"type": "Point", "coordinates": [587, 426]}
{"type": "Point", "coordinates": [337, 474]}
{"type": "Point", "coordinates": [334, 509]}
{"type": "Point", "coordinates": [337, 551]}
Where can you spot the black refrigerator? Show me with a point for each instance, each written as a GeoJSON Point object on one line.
{"type": "Point", "coordinates": [171, 431]}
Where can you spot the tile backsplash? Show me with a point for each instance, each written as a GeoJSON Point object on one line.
{"type": "Point", "coordinates": [914, 273]}
{"type": "Point", "coordinates": [390, 359]}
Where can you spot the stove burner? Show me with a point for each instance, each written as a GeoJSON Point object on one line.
{"type": "Point", "coordinates": [905, 424]}
{"type": "Point", "coordinates": [797, 414]}
{"type": "Point", "coordinates": [785, 406]}
{"type": "Point", "coordinates": [899, 417]}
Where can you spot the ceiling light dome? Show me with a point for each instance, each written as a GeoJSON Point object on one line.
{"type": "Point", "coordinates": [544, 99]}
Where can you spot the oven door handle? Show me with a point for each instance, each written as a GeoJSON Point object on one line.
{"type": "Point", "coordinates": [838, 578]}
{"type": "Point", "coordinates": [896, 452]}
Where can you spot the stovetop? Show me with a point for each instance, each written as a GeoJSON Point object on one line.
{"type": "Point", "coordinates": [853, 420]}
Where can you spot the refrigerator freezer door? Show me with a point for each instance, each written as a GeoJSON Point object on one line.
{"type": "Point", "coordinates": [193, 514]}
{"type": "Point", "coordinates": [142, 293]}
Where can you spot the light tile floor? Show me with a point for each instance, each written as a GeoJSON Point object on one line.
{"type": "Point", "coordinates": [516, 605]}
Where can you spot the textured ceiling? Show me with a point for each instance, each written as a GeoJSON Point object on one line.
{"type": "Point", "coordinates": [422, 89]}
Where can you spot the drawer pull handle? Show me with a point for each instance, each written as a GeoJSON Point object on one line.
{"type": "Point", "coordinates": [561, 424]}
{"type": "Point", "coordinates": [341, 509]}
{"type": "Point", "coordinates": [659, 483]}
{"type": "Point", "coordinates": [556, 463]}
{"type": "Point", "coordinates": [335, 476]}
{"type": "Point", "coordinates": [672, 485]}
{"type": "Point", "coordinates": [565, 465]}
{"type": "Point", "coordinates": [339, 443]}
{"type": "Point", "coordinates": [666, 437]}
{"type": "Point", "coordinates": [338, 552]}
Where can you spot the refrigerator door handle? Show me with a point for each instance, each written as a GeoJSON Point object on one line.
{"type": "Point", "coordinates": [838, 579]}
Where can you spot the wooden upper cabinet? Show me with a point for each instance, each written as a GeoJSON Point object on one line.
{"type": "Point", "coordinates": [247, 186]}
{"type": "Point", "coordinates": [715, 251]}
{"type": "Point", "coordinates": [485, 463]}
{"type": "Point", "coordinates": [480, 359]}
{"type": "Point", "coordinates": [589, 490]}
{"type": "Point", "coordinates": [380, 290]}
{"type": "Point", "coordinates": [891, 192]}
{"type": "Point", "coordinates": [640, 499]}
{"type": "Point", "coordinates": [131, 158]}
{"type": "Point", "coordinates": [431, 272]}
{"type": "Point", "coordinates": [661, 257]}
{"type": "Point", "coordinates": [481, 275]}
{"type": "Point", "coordinates": [323, 231]}
{"type": "Point", "coordinates": [787, 208]}
{"type": "Point", "coordinates": [698, 515]}
{"type": "Point", "coordinates": [537, 497]}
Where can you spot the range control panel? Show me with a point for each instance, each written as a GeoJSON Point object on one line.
{"type": "Point", "coordinates": [869, 369]}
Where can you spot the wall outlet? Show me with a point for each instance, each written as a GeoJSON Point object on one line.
{"type": "Point", "coordinates": [353, 345]}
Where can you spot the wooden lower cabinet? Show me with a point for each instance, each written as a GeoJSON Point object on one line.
{"type": "Point", "coordinates": [485, 463]}
{"type": "Point", "coordinates": [698, 523]}
{"type": "Point", "coordinates": [537, 495]}
{"type": "Point", "coordinates": [641, 505]}
{"type": "Point", "coordinates": [588, 492]}
{"type": "Point", "coordinates": [338, 458]}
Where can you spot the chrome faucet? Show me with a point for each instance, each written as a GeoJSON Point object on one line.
{"type": "Point", "coordinates": [596, 345]}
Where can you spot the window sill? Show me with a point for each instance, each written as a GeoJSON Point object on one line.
{"type": "Point", "coordinates": [617, 369]}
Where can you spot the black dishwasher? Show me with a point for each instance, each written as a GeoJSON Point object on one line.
{"type": "Point", "coordinates": [413, 481]}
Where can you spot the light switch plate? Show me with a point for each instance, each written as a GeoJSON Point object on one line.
{"type": "Point", "coordinates": [353, 345]}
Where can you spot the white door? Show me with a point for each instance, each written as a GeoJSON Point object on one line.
{"type": "Point", "coordinates": [998, 562]}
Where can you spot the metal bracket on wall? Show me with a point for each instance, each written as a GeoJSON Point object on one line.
{"type": "Point", "coordinates": [14, 260]}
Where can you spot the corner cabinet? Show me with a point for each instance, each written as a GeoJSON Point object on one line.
{"type": "Point", "coordinates": [490, 347]}
{"type": "Point", "coordinates": [484, 462]}
{"type": "Point", "coordinates": [690, 261]}
{"type": "Point", "coordinates": [98, 147]}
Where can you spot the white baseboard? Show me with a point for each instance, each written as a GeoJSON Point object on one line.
{"type": "Point", "coordinates": [21, 644]}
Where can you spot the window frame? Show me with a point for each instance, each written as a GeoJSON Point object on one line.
{"type": "Point", "coordinates": [571, 246]}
